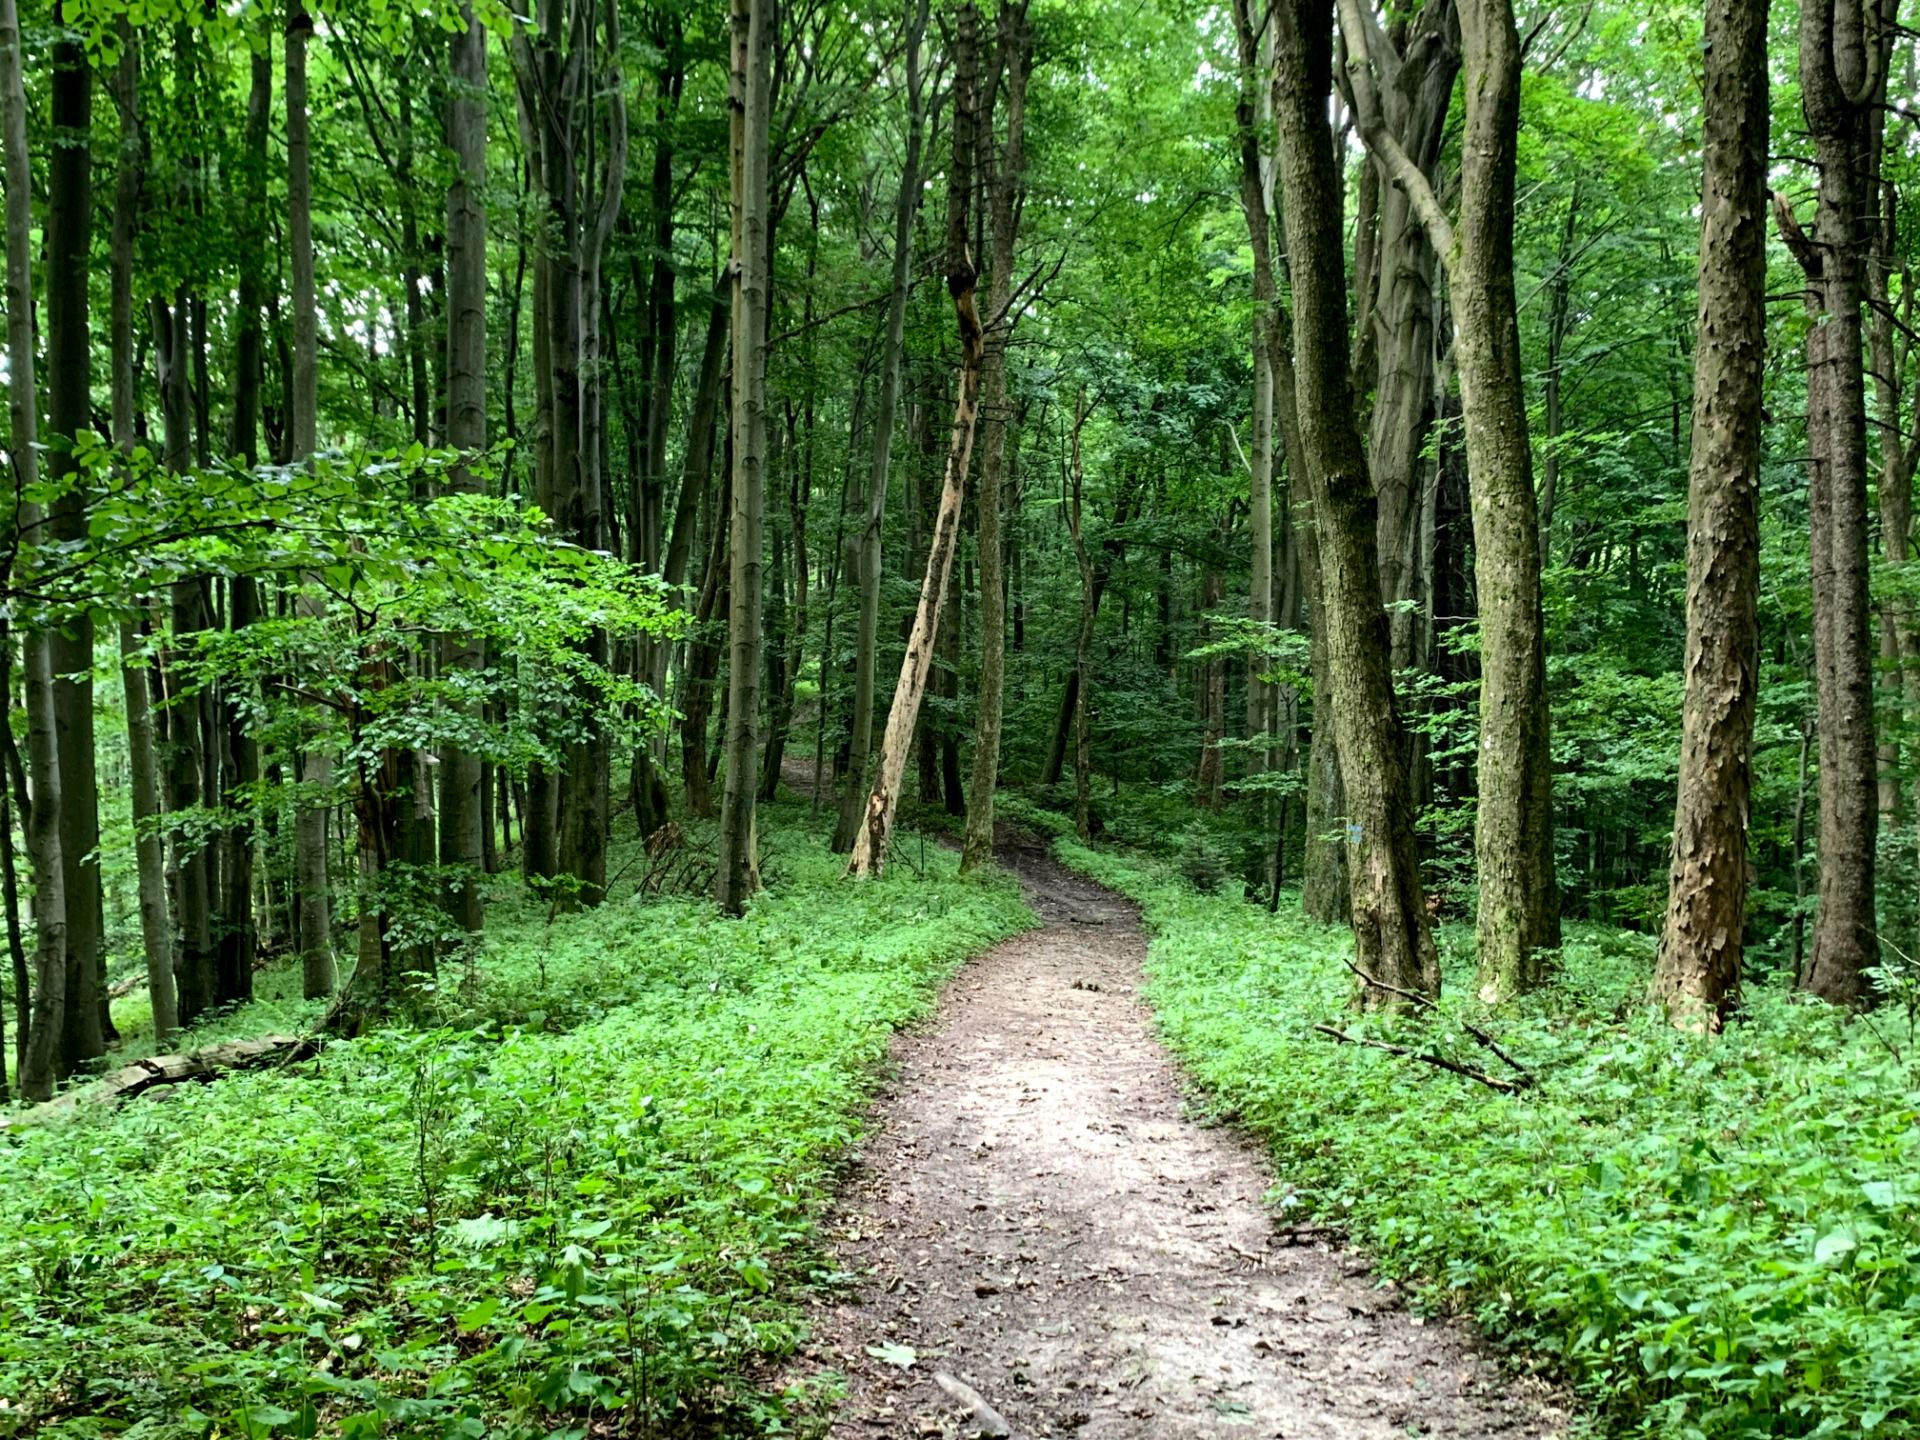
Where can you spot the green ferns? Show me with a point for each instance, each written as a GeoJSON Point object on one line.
{"type": "Point", "coordinates": [592, 1201]}
{"type": "Point", "coordinates": [1713, 1238]}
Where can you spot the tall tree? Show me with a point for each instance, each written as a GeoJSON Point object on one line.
{"type": "Point", "coordinates": [1519, 919]}
{"type": "Point", "coordinates": [142, 756]}
{"type": "Point", "coordinates": [1389, 910]}
{"type": "Point", "coordinates": [866, 648]}
{"type": "Point", "coordinates": [315, 925]}
{"type": "Point", "coordinates": [69, 242]}
{"type": "Point", "coordinates": [1844, 46]}
{"type": "Point", "coordinates": [750, 103]}
{"type": "Point", "coordinates": [1251, 105]}
{"type": "Point", "coordinates": [876, 834]}
{"type": "Point", "coordinates": [1006, 185]}
{"type": "Point", "coordinates": [1698, 972]}
{"type": "Point", "coordinates": [39, 1068]}
{"type": "Point", "coordinates": [460, 769]}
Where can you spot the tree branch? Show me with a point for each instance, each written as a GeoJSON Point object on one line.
{"type": "Point", "coordinates": [1381, 142]}
{"type": "Point", "coordinates": [1425, 1002]}
{"type": "Point", "coordinates": [1492, 1082]}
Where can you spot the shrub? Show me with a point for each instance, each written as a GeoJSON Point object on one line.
{"type": "Point", "coordinates": [594, 1199]}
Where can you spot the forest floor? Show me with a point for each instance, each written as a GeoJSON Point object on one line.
{"type": "Point", "coordinates": [1033, 1216]}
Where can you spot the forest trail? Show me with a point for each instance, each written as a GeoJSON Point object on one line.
{"type": "Point", "coordinates": [1032, 1215]}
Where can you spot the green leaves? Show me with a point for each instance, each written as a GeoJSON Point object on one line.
{"type": "Point", "coordinates": [617, 1194]}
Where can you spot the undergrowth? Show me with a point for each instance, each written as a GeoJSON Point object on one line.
{"type": "Point", "coordinates": [1712, 1238]}
{"type": "Point", "coordinates": [583, 1200]}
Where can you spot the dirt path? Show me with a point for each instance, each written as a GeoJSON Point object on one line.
{"type": "Point", "coordinates": [1033, 1217]}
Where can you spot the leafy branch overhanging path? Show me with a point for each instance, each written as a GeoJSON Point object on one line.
{"type": "Point", "coordinates": [1046, 1247]}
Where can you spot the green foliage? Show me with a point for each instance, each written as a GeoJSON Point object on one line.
{"type": "Point", "coordinates": [1714, 1238]}
{"type": "Point", "coordinates": [587, 1198]}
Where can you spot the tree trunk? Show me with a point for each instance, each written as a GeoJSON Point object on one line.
{"type": "Point", "coordinates": [1399, 311]}
{"type": "Point", "coordinates": [1324, 892]}
{"type": "Point", "coordinates": [1519, 915]}
{"type": "Point", "coordinates": [1392, 938]}
{"type": "Point", "coordinates": [1698, 971]}
{"type": "Point", "coordinates": [1843, 71]}
{"type": "Point", "coordinates": [39, 1066]}
{"type": "Point", "coordinates": [1015, 50]}
{"type": "Point", "coordinates": [10, 874]}
{"type": "Point", "coordinates": [69, 225]}
{"type": "Point", "coordinates": [148, 816]}
{"type": "Point", "coordinates": [462, 833]}
{"type": "Point", "coordinates": [238, 939]}
{"type": "Point", "coordinates": [1083, 638]}
{"type": "Point", "coordinates": [873, 512]}
{"type": "Point", "coordinates": [870, 849]}
{"type": "Point", "coordinates": [751, 106]}
{"type": "Point", "coordinates": [311, 881]}
{"type": "Point", "coordinates": [1519, 897]}
{"type": "Point", "coordinates": [1249, 118]}
{"type": "Point", "coordinates": [143, 765]}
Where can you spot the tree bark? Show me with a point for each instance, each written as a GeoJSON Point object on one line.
{"type": "Point", "coordinates": [870, 849]}
{"type": "Point", "coordinates": [1255, 207]}
{"type": "Point", "coordinates": [1015, 49]}
{"type": "Point", "coordinates": [39, 1068]}
{"type": "Point", "coordinates": [866, 649]}
{"type": "Point", "coordinates": [1392, 938]}
{"type": "Point", "coordinates": [311, 880]}
{"type": "Point", "coordinates": [1519, 918]}
{"type": "Point", "coordinates": [1422, 54]}
{"type": "Point", "coordinates": [1697, 975]}
{"type": "Point", "coordinates": [143, 765]}
{"type": "Point", "coordinates": [69, 225]}
{"type": "Point", "coordinates": [1843, 74]}
{"type": "Point", "coordinates": [750, 102]}
{"type": "Point", "coordinates": [462, 835]}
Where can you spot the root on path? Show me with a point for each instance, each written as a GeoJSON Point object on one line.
{"type": "Point", "coordinates": [1043, 1241]}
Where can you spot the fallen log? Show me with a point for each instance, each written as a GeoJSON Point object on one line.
{"type": "Point", "coordinates": [129, 1081]}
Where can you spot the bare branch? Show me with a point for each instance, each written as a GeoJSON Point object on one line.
{"type": "Point", "coordinates": [1492, 1082]}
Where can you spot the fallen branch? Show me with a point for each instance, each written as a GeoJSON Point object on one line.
{"type": "Point", "coordinates": [133, 1080]}
{"type": "Point", "coordinates": [1425, 1002]}
{"type": "Point", "coordinates": [1494, 1082]}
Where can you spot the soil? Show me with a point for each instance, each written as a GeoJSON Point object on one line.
{"type": "Point", "coordinates": [1033, 1217]}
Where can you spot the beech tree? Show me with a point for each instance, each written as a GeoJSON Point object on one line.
{"type": "Point", "coordinates": [1519, 913]}
{"type": "Point", "coordinates": [1391, 933]}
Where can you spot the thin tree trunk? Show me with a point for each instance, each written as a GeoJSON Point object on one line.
{"type": "Point", "coordinates": [38, 1067]}
{"type": "Point", "coordinates": [311, 867]}
{"type": "Point", "coordinates": [870, 849]}
{"type": "Point", "coordinates": [1083, 638]}
{"type": "Point", "coordinates": [69, 225]}
{"type": "Point", "coordinates": [1254, 188]}
{"type": "Point", "coordinates": [10, 879]}
{"type": "Point", "coordinates": [1015, 49]}
{"type": "Point", "coordinates": [751, 105]}
{"type": "Point", "coordinates": [873, 511]}
{"type": "Point", "coordinates": [463, 831]}
{"type": "Point", "coordinates": [143, 766]}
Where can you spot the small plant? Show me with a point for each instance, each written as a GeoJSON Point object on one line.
{"type": "Point", "coordinates": [1202, 862]}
